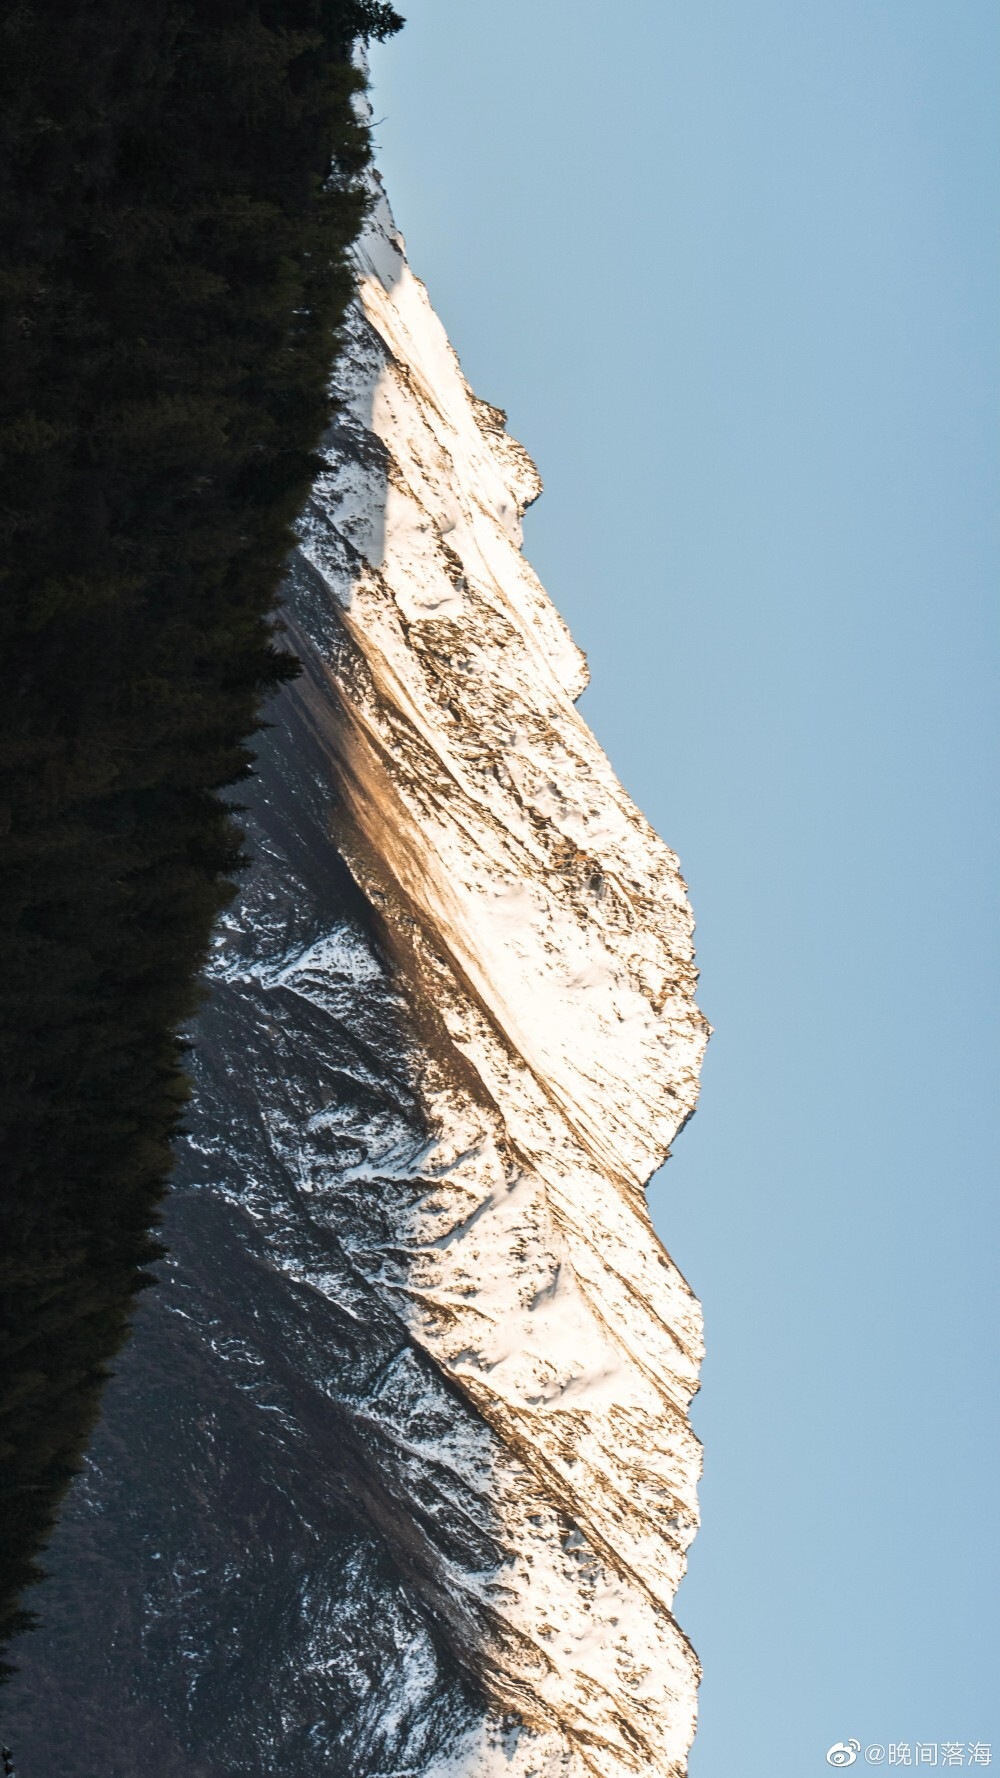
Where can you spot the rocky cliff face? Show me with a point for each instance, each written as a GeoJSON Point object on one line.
{"type": "Point", "coordinates": [396, 1476]}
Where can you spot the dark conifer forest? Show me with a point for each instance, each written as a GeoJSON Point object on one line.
{"type": "Point", "coordinates": [179, 194]}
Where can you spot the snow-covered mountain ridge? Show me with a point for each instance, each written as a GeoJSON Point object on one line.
{"type": "Point", "coordinates": [438, 1449]}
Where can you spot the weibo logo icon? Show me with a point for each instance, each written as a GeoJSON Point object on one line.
{"type": "Point", "coordinates": [843, 1753]}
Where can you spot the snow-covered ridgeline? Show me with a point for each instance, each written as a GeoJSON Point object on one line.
{"type": "Point", "coordinates": [543, 934]}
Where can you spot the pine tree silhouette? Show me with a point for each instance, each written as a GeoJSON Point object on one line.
{"type": "Point", "coordinates": [178, 195]}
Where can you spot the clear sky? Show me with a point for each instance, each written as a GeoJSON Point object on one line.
{"type": "Point", "coordinates": [733, 268]}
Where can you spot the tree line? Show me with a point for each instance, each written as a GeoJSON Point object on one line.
{"type": "Point", "coordinates": [179, 194]}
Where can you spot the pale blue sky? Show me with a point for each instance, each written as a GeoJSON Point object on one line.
{"type": "Point", "coordinates": [733, 267]}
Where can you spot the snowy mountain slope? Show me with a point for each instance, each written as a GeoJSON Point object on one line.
{"type": "Point", "coordinates": [397, 1475]}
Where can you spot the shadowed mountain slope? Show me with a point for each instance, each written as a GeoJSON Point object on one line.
{"type": "Point", "coordinates": [396, 1475]}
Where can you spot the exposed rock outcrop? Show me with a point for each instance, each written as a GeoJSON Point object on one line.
{"type": "Point", "coordinates": [396, 1476]}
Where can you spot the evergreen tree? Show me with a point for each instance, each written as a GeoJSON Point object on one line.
{"type": "Point", "coordinates": [179, 197]}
